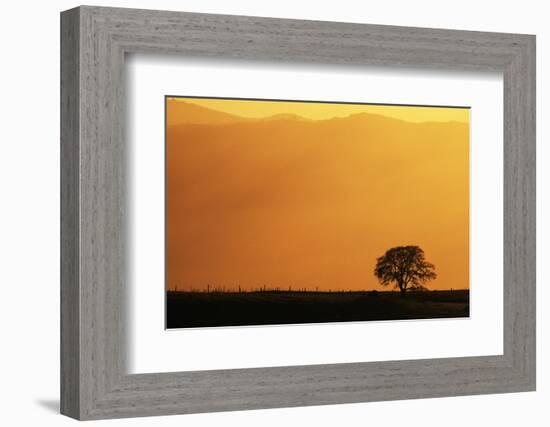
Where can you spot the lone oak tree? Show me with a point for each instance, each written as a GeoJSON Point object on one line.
{"type": "Point", "coordinates": [405, 266]}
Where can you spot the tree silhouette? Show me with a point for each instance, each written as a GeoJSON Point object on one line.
{"type": "Point", "coordinates": [405, 266]}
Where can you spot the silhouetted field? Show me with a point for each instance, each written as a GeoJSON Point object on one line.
{"type": "Point", "coordinates": [201, 309]}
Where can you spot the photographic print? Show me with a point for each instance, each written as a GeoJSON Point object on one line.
{"type": "Point", "coordinates": [295, 212]}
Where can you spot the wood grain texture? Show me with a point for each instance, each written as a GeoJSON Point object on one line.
{"type": "Point", "coordinates": [70, 221]}
{"type": "Point", "coordinates": [94, 380]}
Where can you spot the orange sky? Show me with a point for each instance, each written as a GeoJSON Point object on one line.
{"type": "Point", "coordinates": [307, 195]}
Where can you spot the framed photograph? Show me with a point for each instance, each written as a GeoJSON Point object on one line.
{"type": "Point", "coordinates": [262, 213]}
{"type": "Point", "coordinates": [274, 209]}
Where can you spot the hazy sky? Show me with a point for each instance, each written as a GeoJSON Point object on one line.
{"type": "Point", "coordinates": [253, 201]}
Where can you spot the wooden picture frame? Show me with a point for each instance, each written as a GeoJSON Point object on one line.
{"type": "Point", "coordinates": [94, 382]}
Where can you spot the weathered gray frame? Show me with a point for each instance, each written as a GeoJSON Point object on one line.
{"type": "Point", "coordinates": [94, 41]}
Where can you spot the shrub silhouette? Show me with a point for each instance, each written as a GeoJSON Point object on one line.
{"type": "Point", "coordinates": [405, 267]}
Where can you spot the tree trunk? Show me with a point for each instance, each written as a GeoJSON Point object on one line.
{"type": "Point", "coordinates": [402, 289]}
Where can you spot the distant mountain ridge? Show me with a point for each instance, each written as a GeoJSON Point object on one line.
{"type": "Point", "coordinates": [187, 113]}
{"type": "Point", "coordinates": [283, 116]}
{"type": "Point", "coordinates": [182, 112]}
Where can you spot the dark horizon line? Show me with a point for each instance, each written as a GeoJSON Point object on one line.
{"type": "Point", "coordinates": [319, 102]}
{"type": "Point", "coordinates": [243, 291]}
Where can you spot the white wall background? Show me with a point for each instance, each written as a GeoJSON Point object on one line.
{"type": "Point", "coordinates": [29, 215]}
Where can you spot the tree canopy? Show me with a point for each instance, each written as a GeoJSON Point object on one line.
{"type": "Point", "coordinates": [405, 267]}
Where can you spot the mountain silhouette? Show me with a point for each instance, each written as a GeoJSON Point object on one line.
{"type": "Point", "coordinates": [286, 117]}
{"type": "Point", "coordinates": [182, 112]}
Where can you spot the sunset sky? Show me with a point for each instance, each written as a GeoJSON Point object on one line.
{"type": "Point", "coordinates": [308, 195]}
